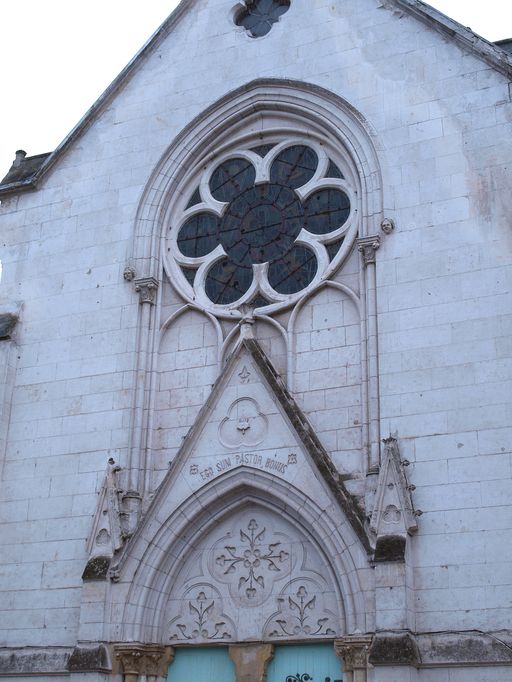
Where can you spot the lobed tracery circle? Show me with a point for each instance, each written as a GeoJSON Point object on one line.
{"type": "Point", "coordinates": [263, 229]}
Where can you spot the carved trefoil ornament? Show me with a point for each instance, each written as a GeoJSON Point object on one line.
{"type": "Point", "coordinates": [244, 426]}
{"type": "Point", "coordinates": [202, 618]}
{"type": "Point", "coordinates": [303, 612]}
{"type": "Point", "coordinates": [254, 577]}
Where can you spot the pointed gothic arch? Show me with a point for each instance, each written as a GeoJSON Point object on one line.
{"type": "Point", "coordinates": [276, 104]}
{"type": "Point", "coordinates": [157, 554]}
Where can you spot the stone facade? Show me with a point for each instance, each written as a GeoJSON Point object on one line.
{"type": "Point", "coordinates": [331, 465]}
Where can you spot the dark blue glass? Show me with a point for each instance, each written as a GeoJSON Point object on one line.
{"type": "Point", "coordinates": [261, 224]}
{"type": "Point", "coordinates": [231, 178]}
{"type": "Point", "coordinates": [333, 171]}
{"type": "Point", "coordinates": [294, 271]}
{"type": "Point", "coordinates": [326, 210]}
{"type": "Point", "coordinates": [334, 247]}
{"type": "Point", "coordinates": [260, 15]}
{"type": "Point", "coordinates": [226, 282]}
{"type": "Point", "coordinates": [190, 275]}
{"type": "Point", "coordinates": [263, 149]}
{"type": "Point", "coordinates": [194, 199]}
{"type": "Point", "coordinates": [199, 235]}
{"type": "Point", "coordinates": [294, 166]}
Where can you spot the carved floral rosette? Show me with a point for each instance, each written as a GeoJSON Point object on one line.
{"type": "Point", "coordinates": [255, 577]}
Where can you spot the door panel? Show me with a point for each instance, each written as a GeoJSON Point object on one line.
{"type": "Point", "coordinates": [202, 664]}
{"type": "Point", "coordinates": [303, 663]}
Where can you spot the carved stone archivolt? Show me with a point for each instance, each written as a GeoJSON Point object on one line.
{"type": "Point", "coordinates": [254, 578]}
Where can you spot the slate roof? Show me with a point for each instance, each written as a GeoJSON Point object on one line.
{"type": "Point", "coordinates": [498, 56]}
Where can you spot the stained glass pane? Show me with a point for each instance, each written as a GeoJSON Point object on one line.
{"type": "Point", "coordinates": [333, 171]}
{"type": "Point", "coordinates": [263, 149]}
{"type": "Point", "coordinates": [294, 271]}
{"type": "Point", "coordinates": [334, 247]}
{"type": "Point", "coordinates": [194, 199]}
{"type": "Point", "coordinates": [261, 14]}
{"type": "Point", "coordinates": [294, 166]}
{"type": "Point", "coordinates": [261, 224]}
{"type": "Point", "coordinates": [190, 275]}
{"type": "Point", "coordinates": [259, 301]}
{"type": "Point", "coordinates": [231, 178]}
{"type": "Point", "coordinates": [227, 282]}
{"type": "Point", "coordinates": [326, 210]}
{"type": "Point", "coordinates": [199, 235]}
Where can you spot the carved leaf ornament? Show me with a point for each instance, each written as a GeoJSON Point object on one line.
{"type": "Point", "coordinates": [252, 560]}
{"type": "Point", "coordinates": [203, 621]}
{"type": "Point", "coordinates": [256, 578]}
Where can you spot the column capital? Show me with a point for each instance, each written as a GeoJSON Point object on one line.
{"type": "Point", "coordinates": [368, 247]}
{"type": "Point", "coordinates": [134, 659]}
{"type": "Point", "coordinates": [353, 649]}
{"type": "Point", "coordinates": [146, 287]}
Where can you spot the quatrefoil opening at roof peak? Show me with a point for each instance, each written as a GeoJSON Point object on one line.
{"type": "Point", "coordinates": [258, 16]}
{"type": "Point", "coordinates": [268, 228]}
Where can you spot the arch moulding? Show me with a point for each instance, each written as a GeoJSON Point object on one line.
{"type": "Point", "coordinates": [263, 104]}
{"type": "Point", "coordinates": [151, 562]}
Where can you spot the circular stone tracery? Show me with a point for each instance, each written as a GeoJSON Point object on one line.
{"type": "Point", "coordinates": [270, 223]}
{"type": "Point", "coordinates": [261, 224]}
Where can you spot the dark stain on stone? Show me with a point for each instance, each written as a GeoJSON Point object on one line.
{"type": "Point", "coordinates": [24, 662]}
{"type": "Point", "coordinates": [394, 648]}
{"type": "Point", "coordinates": [85, 660]}
{"type": "Point", "coordinates": [96, 568]}
{"type": "Point", "coordinates": [7, 324]}
{"type": "Point", "coordinates": [390, 548]}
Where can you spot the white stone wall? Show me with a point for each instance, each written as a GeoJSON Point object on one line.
{"type": "Point", "coordinates": [441, 118]}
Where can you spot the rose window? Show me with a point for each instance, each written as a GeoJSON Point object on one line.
{"type": "Point", "coordinates": [264, 225]}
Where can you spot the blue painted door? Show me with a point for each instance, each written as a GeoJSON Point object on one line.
{"type": "Point", "coordinates": [305, 662]}
{"type": "Point", "coordinates": [202, 665]}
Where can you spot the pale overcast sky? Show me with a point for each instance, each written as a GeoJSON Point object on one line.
{"type": "Point", "coordinates": [58, 56]}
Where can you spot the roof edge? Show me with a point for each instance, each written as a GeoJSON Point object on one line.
{"type": "Point", "coordinates": [86, 120]}
{"type": "Point", "coordinates": [491, 53]}
{"type": "Point", "coordinates": [485, 49]}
